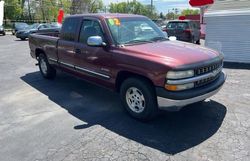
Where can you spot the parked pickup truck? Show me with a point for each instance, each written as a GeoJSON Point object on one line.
{"type": "Point", "coordinates": [131, 55]}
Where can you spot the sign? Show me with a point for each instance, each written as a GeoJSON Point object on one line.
{"type": "Point", "coordinates": [200, 3]}
{"type": "Point", "coordinates": [60, 16]}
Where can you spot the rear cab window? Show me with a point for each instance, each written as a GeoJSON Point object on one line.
{"type": "Point", "coordinates": [177, 25]}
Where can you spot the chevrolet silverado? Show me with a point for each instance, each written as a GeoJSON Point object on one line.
{"type": "Point", "coordinates": [131, 55]}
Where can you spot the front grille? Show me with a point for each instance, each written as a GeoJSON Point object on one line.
{"type": "Point", "coordinates": [208, 69]}
{"type": "Point", "coordinates": [205, 70]}
{"type": "Point", "coordinates": [206, 81]}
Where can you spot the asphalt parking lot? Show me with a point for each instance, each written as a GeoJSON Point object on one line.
{"type": "Point", "coordinates": [70, 119]}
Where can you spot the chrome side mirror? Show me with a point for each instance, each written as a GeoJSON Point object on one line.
{"type": "Point", "coordinates": [95, 41]}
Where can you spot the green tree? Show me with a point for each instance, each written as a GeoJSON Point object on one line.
{"type": "Point", "coordinates": [133, 7]}
{"type": "Point", "coordinates": [190, 12]}
{"type": "Point", "coordinates": [12, 9]}
{"type": "Point", "coordinates": [82, 6]}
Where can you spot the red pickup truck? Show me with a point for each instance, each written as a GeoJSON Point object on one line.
{"type": "Point", "coordinates": [131, 55]}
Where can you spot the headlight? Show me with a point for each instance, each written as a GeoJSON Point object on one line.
{"type": "Point", "coordinates": [180, 74]}
{"type": "Point", "coordinates": [179, 87]}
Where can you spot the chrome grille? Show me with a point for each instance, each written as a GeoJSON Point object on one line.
{"type": "Point", "coordinates": [205, 81]}
{"type": "Point", "coordinates": [207, 69]}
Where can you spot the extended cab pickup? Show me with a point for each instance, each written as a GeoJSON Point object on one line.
{"type": "Point", "coordinates": [131, 55]}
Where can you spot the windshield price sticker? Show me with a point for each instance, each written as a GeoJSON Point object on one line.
{"type": "Point", "coordinates": [114, 21]}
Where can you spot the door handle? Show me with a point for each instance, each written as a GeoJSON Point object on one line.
{"type": "Point", "coordinates": [78, 51]}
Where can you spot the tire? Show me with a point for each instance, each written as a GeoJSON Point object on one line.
{"type": "Point", "coordinates": [198, 42]}
{"type": "Point", "coordinates": [23, 39]}
{"type": "Point", "coordinates": [46, 69]}
{"type": "Point", "coordinates": [192, 40]}
{"type": "Point", "coordinates": [143, 94]}
{"type": "Point", "coordinates": [4, 34]}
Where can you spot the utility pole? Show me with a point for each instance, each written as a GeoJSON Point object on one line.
{"type": "Point", "coordinates": [151, 6]}
{"type": "Point", "coordinates": [29, 10]}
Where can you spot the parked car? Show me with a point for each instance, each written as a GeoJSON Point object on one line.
{"type": "Point", "coordinates": [35, 28]}
{"type": "Point", "coordinates": [161, 23]}
{"type": "Point", "coordinates": [55, 25]}
{"type": "Point", "coordinates": [149, 71]}
{"type": "Point", "coordinates": [18, 26]}
{"type": "Point", "coordinates": [184, 30]}
{"type": "Point", "coordinates": [2, 31]}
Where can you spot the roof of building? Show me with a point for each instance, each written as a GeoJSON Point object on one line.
{"type": "Point", "coordinates": [229, 5]}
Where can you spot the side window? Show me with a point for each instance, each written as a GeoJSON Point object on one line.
{"type": "Point", "coordinates": [90, 28]}
{"type": "Point", "coordinates": [69, 29]}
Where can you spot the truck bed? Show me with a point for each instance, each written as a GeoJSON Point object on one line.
{"type": "Point", "coordinates": [47, 42]}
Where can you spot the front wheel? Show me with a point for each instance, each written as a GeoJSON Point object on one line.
{"type": "Point", "coordinates": [198, 42]}
{"type": "Point", "coordinates": [46, 69]}
{"type": "Point", "coordinates": [139, 99]}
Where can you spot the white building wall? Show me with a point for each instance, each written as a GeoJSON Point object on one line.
{"type": "Point", "coordinates": [228, 31]}
{"type": "Point", "coordinates": [1, 12]}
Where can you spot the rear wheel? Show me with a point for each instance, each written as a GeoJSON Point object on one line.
{"type": "Point", "coordinates": [198, 42]}
{"type": "Point", "coordinates": [139, 99]}
{"type": "Point", "coordinates": [46, 69]}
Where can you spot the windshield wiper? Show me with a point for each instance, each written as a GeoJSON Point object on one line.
{"type": "Point", "coordinates": [137, 41]}
{"type": "Point", "coordinates": [159, 38]}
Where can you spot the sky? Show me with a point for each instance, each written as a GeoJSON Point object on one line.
{"type": "Point", "coordinates": [161, 5]}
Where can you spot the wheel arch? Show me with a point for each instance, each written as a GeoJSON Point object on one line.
{"type": "Point", "coordinates": [123, 75]}
{"type": "Point", "coordinates": [39, 51]}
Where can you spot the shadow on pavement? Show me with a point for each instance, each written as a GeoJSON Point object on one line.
{"type": "Point", "coordinates": [171, 132]}
{"type": "Point", "coordinates": [231, 65]}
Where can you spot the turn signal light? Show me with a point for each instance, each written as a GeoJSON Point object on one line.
{"type": "Point", "coordinates": [171, 87]}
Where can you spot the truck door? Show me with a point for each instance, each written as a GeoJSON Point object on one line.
{"type": "Point", "coordinates": [92, 62]}
{"type": "Point", "coordinates": [66, 43]}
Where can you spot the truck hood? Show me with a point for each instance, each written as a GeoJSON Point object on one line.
{"type": "Point", "coordinates": [172, 53]}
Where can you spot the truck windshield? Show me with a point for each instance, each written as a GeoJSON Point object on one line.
{"type": "Point", "coordinates": [128, 31]}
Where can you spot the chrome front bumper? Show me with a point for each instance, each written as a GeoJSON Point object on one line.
{"type": "Point", "coordinates": [175, 105]}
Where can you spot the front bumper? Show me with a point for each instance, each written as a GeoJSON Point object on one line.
{"type": "Point", "coordinates": [22, 35]}
{"type": "Point", "coordinates": [176, 100]}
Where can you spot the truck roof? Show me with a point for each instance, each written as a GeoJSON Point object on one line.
{"type": "Point", "coordinates": [106, 15]}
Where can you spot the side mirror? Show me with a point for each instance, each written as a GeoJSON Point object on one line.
{"type": "Point", "coordinates": [172, 38]}
{"type": "Point", "coordinates": [95, 41]}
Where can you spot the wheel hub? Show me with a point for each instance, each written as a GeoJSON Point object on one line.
{"type": "Point", "coordinates": [135, 100]}
{"type": "Point", "coordinates": [43, 66]}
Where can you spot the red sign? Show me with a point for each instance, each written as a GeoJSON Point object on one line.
{"type": "Point", "coordinates": [198, 3]}
{"type": "Point", "coordinates": [60, 16]}
{"type": "Point", "coordinates": [182, 18]}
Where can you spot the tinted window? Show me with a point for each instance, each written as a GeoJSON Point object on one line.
{"type": "Point", "coordinates": [69, 29]}
{"type": "Point", "coordinates": [177, 25]}
{"type": "Point", "coordinates": [90, 28]}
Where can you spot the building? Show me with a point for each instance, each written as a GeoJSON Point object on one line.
{"type": "Point", "coordinates": [1, 12]}
{"type": "Point", "coordinates": [228, 29]}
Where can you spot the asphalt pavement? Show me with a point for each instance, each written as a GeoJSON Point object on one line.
{"type": "Point", "coordinates": [69, 119]}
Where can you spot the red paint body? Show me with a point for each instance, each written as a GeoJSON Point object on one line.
{"type": "Point", "coordinates": [150, 60]}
